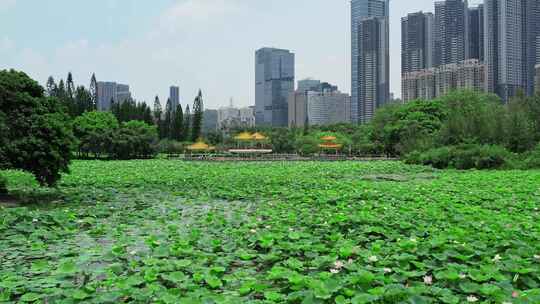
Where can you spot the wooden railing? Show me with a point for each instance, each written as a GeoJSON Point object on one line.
{"type": "Point", "coordinates": [273, 157]}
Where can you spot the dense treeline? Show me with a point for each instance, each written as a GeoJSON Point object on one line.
{"type": "Point", "coordinates": [464, 130]}
{"type": "Point", "coordinates": [172, 125]}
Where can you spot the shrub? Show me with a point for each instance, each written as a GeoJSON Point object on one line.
{"type": "Point", "coordinates": [462, 157]}
{"type": "Point", "coordinates": [135, 139]}
{"type": "Point", "coordinates": [35, 133]}
{"type": "Point", "coordinates": [307, 145]}
{"type": "Point", "coordinates": [171, 147]}
{"type": "Point", "coordinates": [531, 160]}
{"type": "Point", "coordinates": [440, 158]}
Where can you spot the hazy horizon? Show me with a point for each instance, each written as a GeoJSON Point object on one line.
{"type": "Point", "coordinates": [206, 44]}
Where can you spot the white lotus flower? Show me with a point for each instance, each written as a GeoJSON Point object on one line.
{"type": "Point", "coordinates": [497, 258]}
{"type": "Point", "coordinates": [334, 271]}
{"type": "Point", "coordinates": [472, 299]}
{"type": "Point", "coordinates": [373, 259]}
{"type": "Point", "coordinates": [428, 280]}
{"type": "Point", "coordinates": [339, 265]}
{"type": "Point", "coordinates": [387, 270]}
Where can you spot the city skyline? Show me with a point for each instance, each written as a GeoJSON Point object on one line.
{"type": "Point", "coordinates": [153, 46]}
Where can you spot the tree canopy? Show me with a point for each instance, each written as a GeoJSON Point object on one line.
{"type": "Point", "coordinates": [35, 132]}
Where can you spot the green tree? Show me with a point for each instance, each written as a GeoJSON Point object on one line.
{"type": "Point", "coordinates": [83, 101]}
{"type": "Point", "coordinates": [187, 124]}
{"type": "Point", "coordinates": [35, 133]}
{"type": "Point", "coordinates": [400, 129]}
{"type": "Point", "coordinates": [519, 128]}
{"type": "Point", "coordinates": [95, 131]}
{"type": "Point", "coordinates": [61, 91]}
{"type": "Point", "coordinates": [135, 139]}
{"type": "Point", "coordinates": [158, 113]}
{"type": "Point", "coordinates": [283, 140]}
{"type": "Point", "coordinates": [168, 122]}
{"type": "Point", "coordinates": [197, 117]}
{"type": "Point", "coordinates": [471, 117]}
{"type": "Point", "coordinates": [178, 125]}
{"type": "Point", "coordinates": [70, 96]}
{"type": "Point", "coordinates": [94, 91]}
{"type": "Point", "coordinates": [51, 87]}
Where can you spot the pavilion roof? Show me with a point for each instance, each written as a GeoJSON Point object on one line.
{"type": "Point", "coordinates": [200, 146]}
{"type": "Point", "coordinates": [258, 136]}
{"type": "Point", "coordinates": [244, 136]}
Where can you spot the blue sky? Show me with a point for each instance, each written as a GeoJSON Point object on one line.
{"type": "Point", "coordinates": [207, 44]}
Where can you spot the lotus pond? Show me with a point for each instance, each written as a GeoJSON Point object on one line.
{"type": "Point", "coordinates": [161, 231]}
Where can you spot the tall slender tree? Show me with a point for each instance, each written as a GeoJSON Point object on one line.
{"type": "Point", "coordinates": [69, 98]}
{"type": "Point", "coordinates": [178, 124]}
{"type": "Point", "coordinates": [70, 86]}
{"type": "Point", "coordinates": [158, 113]}
{"type": "Point", "coordinates": [197, 117]}
{"type": "Point", "coordinates": [51, 87]}
{"type": "Point", "coordinates": [167, 123]}
{"type": "Point", "coordinates": [94, 91]}
{"type": "Point", "coordinates": [61, 90]}
{"type": "Point", "coordinates": [187, 124]}
{"type": "Point", "coordinates": [83, 101]}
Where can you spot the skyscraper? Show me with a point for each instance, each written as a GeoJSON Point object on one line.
{"type": "Point", "coordinates": [308, 84]}
{"type": "Point", "coordinates": [106, 95]}
{"type": "Point", "coordinates": [111, 92]}
{"type": "Point", "coordinates": [122, 93]}
{"type": "Point", "coordinates": [369, 57]}
{"type": "Point", "coordinates": [274, 80]}
{"type": "Point", "coordinates": [451, 31]}
{"type": "Point", "coordinates": [512, 32]}
{"type": "Point", "coordinates": [416, 42]}
{"type": "Point", "coordinates": [476, 32]}
{"type": "Point", "coordinates": [174, 96]}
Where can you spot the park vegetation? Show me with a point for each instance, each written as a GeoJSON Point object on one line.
{"type": "Point", "coordinates": [35, 133]}
{"type": "Point", "coordinates": [160, 231]}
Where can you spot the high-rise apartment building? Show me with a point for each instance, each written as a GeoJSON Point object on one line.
{"type": "Point", "coordinates": [106, 95]}
{"type": "Point", "coordinates": [122, 93]}
{"type": "Point", "coordinates": [274, 81]}
{"type": "Point", "coordinates": [451, 32]}
{"type": "Point", "coordinates": [308, 84]}
{"type": "Point", "coordinates": [232, 117]}
{"type": "Point", "coordinates": [512, 40]}
{"type": "Point", "coordinates": [111, 92]}
{"type": "Point", "coordinates": [298, 102]}
{"type": "Point", "coordinates": [319, 108]}
{"type": "Point", "coordinates": [435, 82]}
{"type": "Point", "coordinates": [174, 96]}
{"type": "Point", "coordinates": [476, 32]}
{"type": "Point", "coordinates": [416, 42]}
{"type": "Point", "coordinates": [369, 57]}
